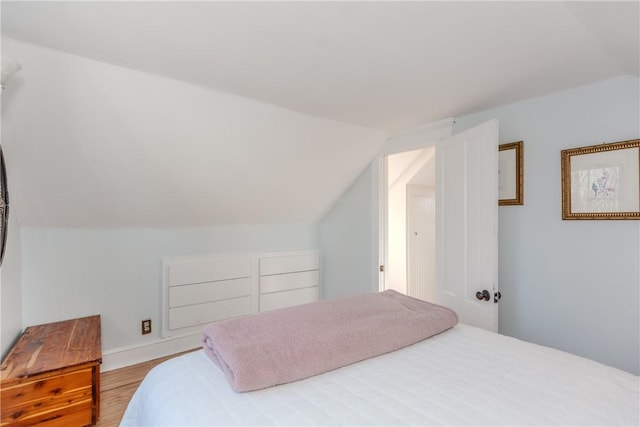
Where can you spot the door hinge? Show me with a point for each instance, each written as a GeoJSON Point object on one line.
{"type": "Point", "coordinates": [382, 269]}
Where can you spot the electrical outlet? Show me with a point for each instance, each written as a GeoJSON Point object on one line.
{"type": "Point", "coordinates": [146, 326]}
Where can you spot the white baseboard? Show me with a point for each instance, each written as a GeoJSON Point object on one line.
{"type": "Point", "coordinates": [127, 356]}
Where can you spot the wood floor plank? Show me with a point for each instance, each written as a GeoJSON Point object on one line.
{"type": "Point", "coordinates": [113, 404]}
{"type": "Point", "coordinates": [118, 386]}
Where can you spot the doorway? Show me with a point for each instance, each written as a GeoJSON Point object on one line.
{"type": "Point", "coordinates": [463, 198]}
{"type": "Point", "coordinates": [411, 223]}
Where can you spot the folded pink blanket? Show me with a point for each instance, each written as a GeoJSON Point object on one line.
{"type": "Point", "coordinates": [293, 343]}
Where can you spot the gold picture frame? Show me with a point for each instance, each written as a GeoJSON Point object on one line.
{"type": "Point", "coordinates": [601, 181]}
{"type": "Point", "coordinates": [510, 174]}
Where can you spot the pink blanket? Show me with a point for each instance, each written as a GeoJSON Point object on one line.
{"type": "Point", "coordinates": [290, 344]}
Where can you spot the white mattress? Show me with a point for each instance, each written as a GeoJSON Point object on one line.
{"type": "Point", "coordinates": [465, 376]}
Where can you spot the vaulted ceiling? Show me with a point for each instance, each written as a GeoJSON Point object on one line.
{"type": "Point", "coordinates": [387, 65]}
{"type": "Point", "coordinates": [334, 77]}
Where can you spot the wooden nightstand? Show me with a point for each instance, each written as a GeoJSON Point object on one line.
{"type": "Point", "coordinates": [51, 376]}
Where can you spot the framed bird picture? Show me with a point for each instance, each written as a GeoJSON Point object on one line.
{"type": "Point", "coordinates": [601, 181]}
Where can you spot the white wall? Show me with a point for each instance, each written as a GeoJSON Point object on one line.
{"type": "Point", "coordinates": [396, 265]}
{"type": "Point", "coordinates": [98, 145]}
{"type": "Point", "coordinates": [113, 169]}
{"type": "Point", "coordinates": [567, 284]}
{"type": "Point", "coordinates": [345, 241]}
{"type": "Point", "coordinates": [116, 273]}
{"type": "Point", "coordinates": [11, 284]}
{"type": "Point", "coordinates": [572, 285]}
{"type": "Point", "coordinates": [553, 291]}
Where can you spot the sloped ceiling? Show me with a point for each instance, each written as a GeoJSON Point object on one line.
{"type": "Point", "coordinates": [332, 79]}
{"type": "Point", "coordinates": [387, 65]}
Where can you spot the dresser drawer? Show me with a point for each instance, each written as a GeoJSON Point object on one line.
{"type": "Point", "coordinates": [289, 282]}
{"type": "Point", "coordinates": [49, 397]}
{"type": "Point", "coordinates": [278, 300]}
{"type": "Point", "coordinates": [289, 264]}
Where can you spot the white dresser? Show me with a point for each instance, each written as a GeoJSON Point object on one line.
{"type": "Point", "coordinates": [203, 289]}
{"type": "Point", "coordinates": [289, 279]}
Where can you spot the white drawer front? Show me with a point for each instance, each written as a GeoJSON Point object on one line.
{"type": "Point", "coordinates": [290, 281]}
{"type": "Point", "coordinates": [209, 271]}
{"type": "Point", "coordinates": [181, 317]}
{"type": "Point", "coordinates": [210, 291]}
{"type": "Point", "coordinates": [277, 300]}
{"type": "Point", "coordinates": [289, 264]}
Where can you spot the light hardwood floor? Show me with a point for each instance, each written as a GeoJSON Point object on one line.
{"type": "Point", "coordinates": [117, 387]}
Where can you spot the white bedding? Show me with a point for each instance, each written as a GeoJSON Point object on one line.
{"type": "Point", "coordinates": [464, 376]}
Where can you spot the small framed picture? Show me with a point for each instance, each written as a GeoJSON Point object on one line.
{"type": "Point", "coordinates": [601, 181]}
{"type": "Point", "coordinates": [510, 174]}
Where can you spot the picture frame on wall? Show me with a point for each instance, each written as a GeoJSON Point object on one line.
{"type": "Point", "coordinates": [601, 181]}
{"type": "Point", "coordinates": [510, 174]}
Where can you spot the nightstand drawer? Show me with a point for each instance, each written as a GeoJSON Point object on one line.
{"type": "Point", "coordinates": [80, 417]}
{"type": "Point", "coordinates": [77, 414]}
{"type": "Point", "coordinates": [51, 376]}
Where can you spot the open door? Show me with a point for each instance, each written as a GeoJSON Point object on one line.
{"type": "Point", "coordinates": [466, 210]}
{"type": "Point", "coordinates": [467, 225]}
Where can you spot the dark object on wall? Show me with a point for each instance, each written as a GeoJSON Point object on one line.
{"type": "Point", "coordinates": [511, 174]}
{"type": "Point", "coordinates": [601, 181]}
{"type": "Point", "coordinates": [4, 207]}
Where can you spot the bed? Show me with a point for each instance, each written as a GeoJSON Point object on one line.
{"type": "Point", "coordinates": [462, 376]}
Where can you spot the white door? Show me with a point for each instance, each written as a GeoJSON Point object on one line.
{"type": "Point", "coordinates": [467, 224]}
{"type": "Point", "coordinates": [467, 221]}
{"type": "Point", "coordinates": [421, 242]}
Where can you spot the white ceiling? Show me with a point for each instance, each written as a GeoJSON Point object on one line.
{"type": "Point", "coordinates": [385, 65]}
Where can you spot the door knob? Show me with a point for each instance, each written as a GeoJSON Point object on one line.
{"type": "Point", "coordinates": [484, 295]}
